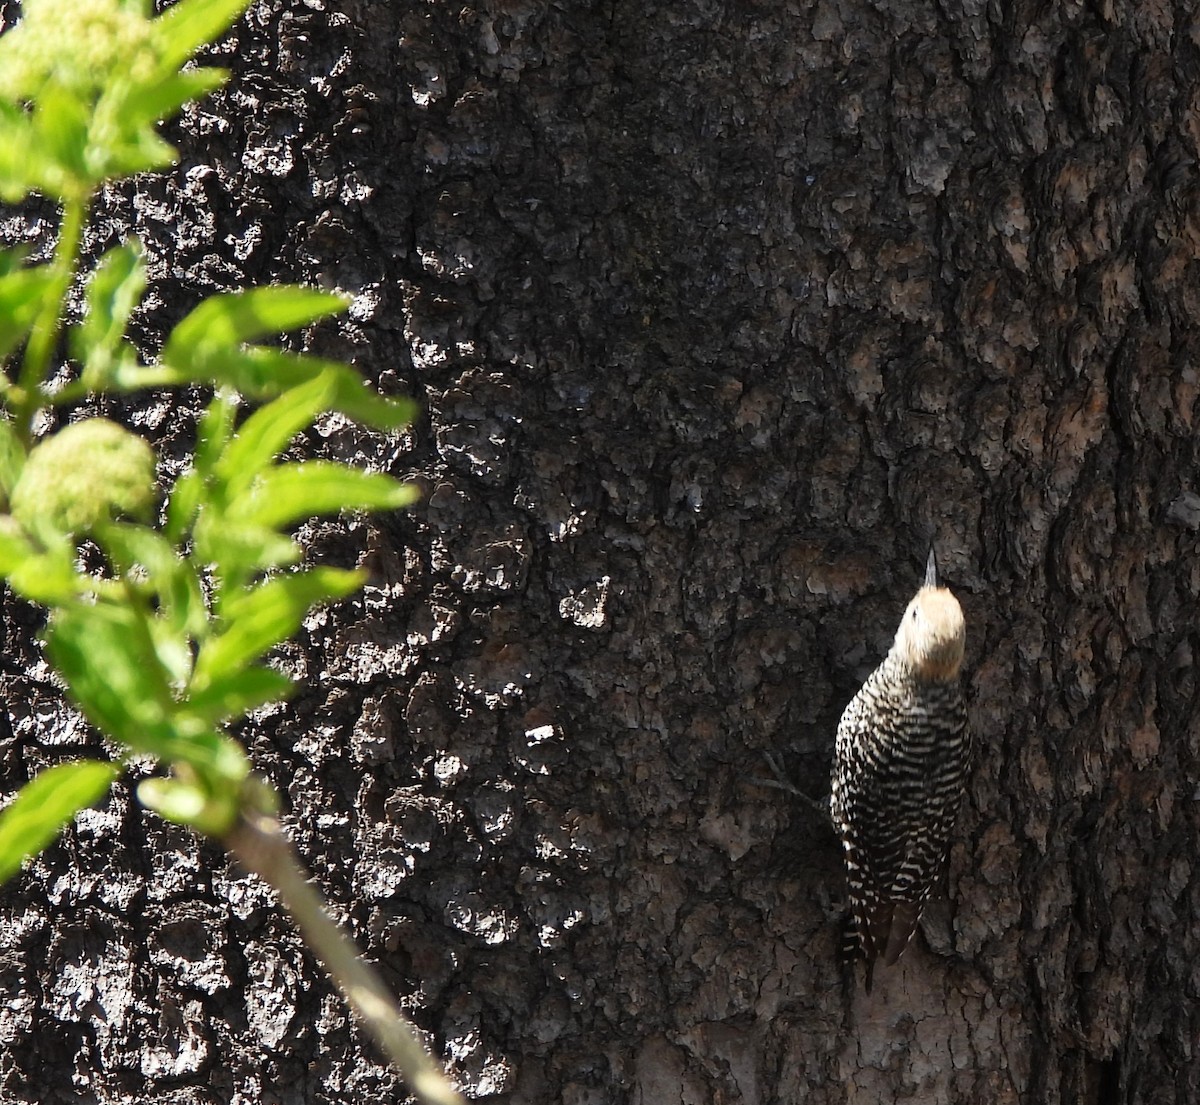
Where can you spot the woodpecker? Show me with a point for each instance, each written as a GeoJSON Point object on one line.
{"type": "Point", "coordinates": [900, 771]}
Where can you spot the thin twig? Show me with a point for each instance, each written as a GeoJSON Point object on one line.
{"type": "Point", "coordinates": [259, 844]}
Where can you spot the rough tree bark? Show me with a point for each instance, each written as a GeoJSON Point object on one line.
{"type": "Point", "coordinates": [719, 314]}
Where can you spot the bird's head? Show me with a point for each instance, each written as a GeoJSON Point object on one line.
{"type": "Point", "coordinates": [933, 634]}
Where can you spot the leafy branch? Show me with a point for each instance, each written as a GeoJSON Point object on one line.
{"type": "Point", "coordinates": [167, 643]}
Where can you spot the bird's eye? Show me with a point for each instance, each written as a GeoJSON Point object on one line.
{"type": "Point", "coordinates": [913, 615]}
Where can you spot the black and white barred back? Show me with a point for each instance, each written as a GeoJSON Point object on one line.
{"type": "Point", "coordinates": [902, 763]}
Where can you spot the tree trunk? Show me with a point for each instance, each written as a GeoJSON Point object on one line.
{"type": "Point", "coordinates": [719, 314]}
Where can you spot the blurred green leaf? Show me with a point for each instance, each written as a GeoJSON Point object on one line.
{"type": "Point", "coordinates": [209, 805]}
{"type": "Point", "coordinates": [15, 545]}
{"type": "Point", "coordinates": [261, 372]}
{"type": "Point", "coordinates": [173, 649]}
{"type": "Point", "coordinates": [115, 677]}
{"type": "Point", "coordinates": [104, 655]}
{"type": "Point", "coordinates": [12, 457]}
{"type": "Point", "coordinates": [241, 550]}
{"type": "Point", "coordinates": [46, 575]}
{"type": "Point", "coordinates": [258, 620]}
{"type": "Point", "coordinates": [18, 155]}
{"type": "Point", "coordinates": [60, 122]}
{"type": "Point", "coordinates": [22, 295]}
{"type": "Point", "coordinates": [215, 430]}
{"type": "Point", "coordinates": [181, 612]}
{"type": "Point", "coordinates": [183, 601]}
{"type": "Point", "coordinates": [363, 404]}
{"type": "Point", "coordinates": [240, 368]}
{"type": "Point", "coordinates": [45, 804]}
{"type": "Point", "coordinates": [13, 260]}
{"type": "Point", "coordinates": [183, 504]}
{"type": "Point", "coordinates": [223, 322]}
{"type": "Point", "coordinates": [289, 492]}
{"type": "Point", "coordinates": [135, 150]}
{"type": "Point", "coordinates": [268, 430]}
{"type": "Point", "coordinates": [235, 695]}
{"type": "Point", "coordinates": [264, 372]}
{"type": "Point", "coordinates": [174, 799]}
{"type": "Point", "coordinates": [131, 376]}
{"type": "Point", "coordinates": [191, 489]}
{"type": "Point", "coordinates": [214, 755]}
{"type": "Point", "coordinates": [152, 103]}
{"type": "Point", "coordinates": [113, 292]}
{"type": "Point", "coordinates": [172, 577]}
{"type": "Point", "coordinates": [128, 545]}
{"type": "Point", "coordinates": [183, 28]}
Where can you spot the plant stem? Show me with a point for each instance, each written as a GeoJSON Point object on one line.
{"type": "Point", "coordinates": [259, 844]}
{"type": "Point", "coordinates": [44, 334]}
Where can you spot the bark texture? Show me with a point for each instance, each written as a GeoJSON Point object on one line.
{"type": "Point", "coordinates": [719, 314]}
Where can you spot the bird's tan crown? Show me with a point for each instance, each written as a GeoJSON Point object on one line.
{"type": "Point", "coordinates": [933, 635]}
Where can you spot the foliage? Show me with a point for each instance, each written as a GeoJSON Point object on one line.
{"type": "Point", "coordinates": [164, 645]}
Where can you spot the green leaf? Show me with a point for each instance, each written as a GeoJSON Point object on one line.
{"type": "Point", "coordinates": [264, 372]}
{"type": "Point", "coordinates": [155, 102]}
{"type": "Point", "coordinates": [115, 289]}
{"type": "Point", "coordinates": [356, 400]}
{"type": "Point", "coordinates": [12, 457]}
{"type": "Point", "coordinates": [45, 575]}
{"type": "Point", "coordinates": [233, 696]}
{"type": "Point", "coordinates": [113, 674]}
{"type": "Point", "coordinates": [289, 492]}
{"type": "Point", "coordinates": [60, 123]}
{"type": "Point", "coordinates": [215, 430]}
{"type": "Point", "coordinates": [22, 295]}
{"type": "Point", "coordinates": [258, 620]}
{"type": "Point", "coordinates": [137, 151]}
{"type": "Point", "coordinates": [13, 260]}
{"type": "Point", "coordinates": [15, 545]}
{"type": "Point", "coordinates": [185, 27]}
{"type": "Point", "coordinates": [172, 648]}
{"type": "Point", "coordinates": [129, 545]}
{"type": "Point", "coordinates": [250, 370]}
{"type": "Point", "coordinates": [241, 549]}
{"type": "Point", "coordinates": [268, 430]}
{"type": "Point", "coordinates": [208, 805]}
{"type": "Point", "coordinates": [19, 156]}
{"type": "Point", "coordinates": [183, 504]}
{"type": "Point", "coordinates": [261, 372]}
{"type": "Point", "coordinates": [172, 578]}
{"type": "Point", "coordinates": [131, 376]}
{"type": "Point", "coordinates": [44, 806]}
{"type": "Point", "coordinates": [173, 799]}
{"type": "Point", "coordinates": [182, 615]}
{"type": "Point", "coordinates": [216, 757]}
{"type": "Point", "coordinates": [223, 322]}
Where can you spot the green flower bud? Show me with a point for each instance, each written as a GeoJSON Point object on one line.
{"type": "Point", "coordinates": [81, 44]}
{"type": "Point", "coordinates": [86, 474]}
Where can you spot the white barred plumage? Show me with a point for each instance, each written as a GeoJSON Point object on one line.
{"type": "Point", "coordinates": [900, 771]}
